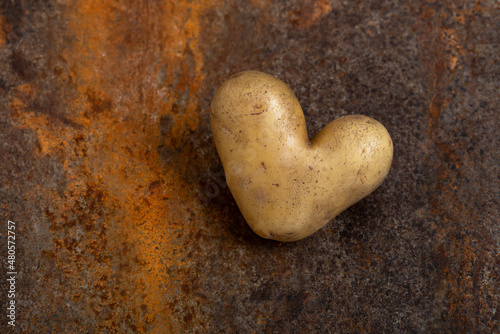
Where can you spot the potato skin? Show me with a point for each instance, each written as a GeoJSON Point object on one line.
{"type": "Point", "coordinates": [286, 186]}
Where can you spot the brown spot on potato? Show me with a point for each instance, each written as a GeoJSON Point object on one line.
{"type": "Point", "coordinates": [258, 113]}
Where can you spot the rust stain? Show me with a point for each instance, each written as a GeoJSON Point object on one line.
{"type": "Point", "coordinates": [3, 31]}
{"type": "Point", "coordinates": [460, 281]}
{"type": "Point", "coordinates": [443, 53]}
{"type": "Point", "coordinates": [310, 13]}
{"type": "Point", "coordinates": [259, 3]}
{"type": "Point", "coordinates": [121, 214]}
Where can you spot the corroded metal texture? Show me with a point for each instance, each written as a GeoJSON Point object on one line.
{"type": "Point", "coordinates": [124, 221]}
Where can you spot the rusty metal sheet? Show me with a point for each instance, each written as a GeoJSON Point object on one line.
{"type": "Point", "coordinates": [124, 223]}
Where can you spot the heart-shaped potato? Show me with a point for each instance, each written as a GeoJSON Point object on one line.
{"type": "Point", "coordinates": [286, 186]}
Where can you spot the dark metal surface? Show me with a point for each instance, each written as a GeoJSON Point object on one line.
{"type": "Point", "coordinates": [125, 224]}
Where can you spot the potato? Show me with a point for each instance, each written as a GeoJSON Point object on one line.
{"type": "Point", "coordinates": [286, 186]}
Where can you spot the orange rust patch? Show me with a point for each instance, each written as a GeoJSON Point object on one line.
{"type": "Point", "coordinates": [442, 52]}
{"type": "Point", "coordinates": [259, 3]}
{"type": "Point", "coordinates": [310, 14]}
{"type": "Point", "coordinates": [3, 31]}
{"type": "Point", "coordinates": [121, 213]}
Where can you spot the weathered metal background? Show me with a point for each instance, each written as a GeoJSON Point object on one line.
{"type": "Point", "coordinates": [125, 224]}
